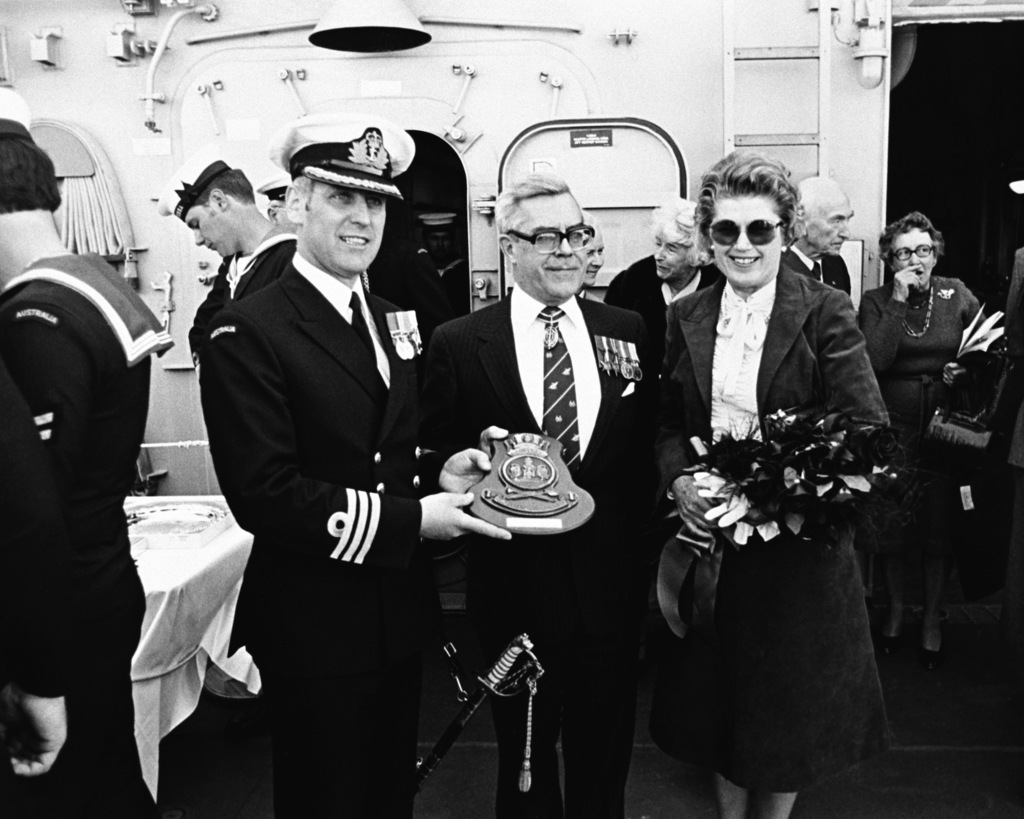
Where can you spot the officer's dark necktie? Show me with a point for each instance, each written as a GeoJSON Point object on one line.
{"type": "Point", "coordinates": [816, 270]}
{"type": "Point", "coordinates": [560, 418]}
{"type": "Point", "coordinates": [359, 323]}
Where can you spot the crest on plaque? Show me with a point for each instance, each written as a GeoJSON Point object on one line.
{"type": "Point", "coordinates": [529, 489]}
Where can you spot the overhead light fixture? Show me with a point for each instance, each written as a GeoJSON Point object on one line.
{"type": "Point", "coordinates": [381, 25]}
{"type": "Point", "coordinates": [1017, 186]}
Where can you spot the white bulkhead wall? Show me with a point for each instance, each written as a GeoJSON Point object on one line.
{"type": "Point", "coordinates": [671, 73]}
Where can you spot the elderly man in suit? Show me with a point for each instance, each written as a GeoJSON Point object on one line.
{"type": "Point", "coordinates": [309, 394]}
{"type": "Point", "coordinates": [1013, 609]}
{"type": "Point", "coordinates": [824, 216]}
{"type": "Point", "coordinates": [529, 364]}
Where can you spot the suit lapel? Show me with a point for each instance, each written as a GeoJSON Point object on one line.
{"type": "Point", "coordinates": [786, 322]}
{"type": "Point", "coordinates": [598, 324]}
{"type": "Point", "coordinates": [325, 326]}
{"type": "Point", "coordinates": [698, 329]}
{"type": "Point", "coordinates": [498, 358]}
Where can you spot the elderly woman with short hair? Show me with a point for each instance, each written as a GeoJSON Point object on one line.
{"type": "Point", "coordinates": [676, 269]}
{"type": "Point", "coordinates": [783, 691]}
{"type": "Point", "coordinates": [914, 325]}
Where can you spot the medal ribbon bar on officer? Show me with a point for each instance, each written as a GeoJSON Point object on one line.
{"type": "Point", "coordinates": [405, 333]}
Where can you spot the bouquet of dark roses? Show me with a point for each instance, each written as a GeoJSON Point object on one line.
{"type": "Point", "coordinates": [811, 475]}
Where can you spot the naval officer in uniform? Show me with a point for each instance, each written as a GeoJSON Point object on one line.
{"type": "Point", "coordinates": [309, 393]}
{"type": "Point", "coordinates": [77, 341]}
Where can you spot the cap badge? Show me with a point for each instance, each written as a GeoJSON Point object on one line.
{"type": "Point", "coordinates": [369, 152]}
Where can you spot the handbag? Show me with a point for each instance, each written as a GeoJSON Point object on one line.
{"type": "Point", "coordinates": [986, 407]}
{"type": "Point", "coordinates": [957, 435]}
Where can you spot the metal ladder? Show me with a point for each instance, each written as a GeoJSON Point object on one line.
{"type": "Point", "coordinates": [822, 53]}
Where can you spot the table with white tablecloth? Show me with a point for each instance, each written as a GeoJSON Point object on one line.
{"type": "Point", "coordinates": [191, 594]}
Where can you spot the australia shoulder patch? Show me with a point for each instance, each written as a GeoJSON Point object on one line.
{"type": "Point", "coordinates": [227, 328]}
{"type": "Point", "coordinates": [35, 314]}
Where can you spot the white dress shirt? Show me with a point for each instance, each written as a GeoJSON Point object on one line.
{"type": "Point", "coordinates": [739, 342]}
{"type": "Point", "coordinates": [528, 332]}
{"type": "Point", "coordinates": [339, 295]}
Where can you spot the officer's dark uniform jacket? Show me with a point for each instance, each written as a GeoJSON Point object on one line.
{"type": "Point", "coordinates": [83, 367]}
{"type": "Point", "coordinates": [318, 459]}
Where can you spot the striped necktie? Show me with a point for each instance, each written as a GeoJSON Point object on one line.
{"type": "Point", "coordinates": [560, 419]}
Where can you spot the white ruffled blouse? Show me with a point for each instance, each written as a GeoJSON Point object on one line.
{"type": "Point", "coordinates": [739, 342]}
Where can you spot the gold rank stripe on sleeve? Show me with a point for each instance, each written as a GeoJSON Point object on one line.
{"type": "Point", "coordinates": [356, 527]}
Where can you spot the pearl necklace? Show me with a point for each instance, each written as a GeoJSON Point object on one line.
{"type": "Point", "coordinates": [927, 317]}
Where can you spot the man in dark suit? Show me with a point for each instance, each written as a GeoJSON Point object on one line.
{"type": "Point", "coordinates": [528, 364]}
{"type": "Point", "coordinates": [309, 394]}
{"type": "Point", "coordinates": [77, 340]}
{"type": "Point", "coordinates": [216, 202]}
{"type": "Point", "coordinates": [676, 269]}
{"type": "Point", "coordinates": [824, 218]}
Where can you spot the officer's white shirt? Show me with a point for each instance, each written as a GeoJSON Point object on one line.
{"type": "Point", "coordinates": [528, 332]}
{"type": "Point", "coordinates": [339, 295]}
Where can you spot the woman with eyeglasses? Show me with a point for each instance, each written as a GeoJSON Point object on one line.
{"type": "Point", "coordinates": [914, 325]}
{"type": "Point", "coordinates": [781, 689]}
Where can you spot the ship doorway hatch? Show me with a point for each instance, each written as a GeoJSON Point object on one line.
{"type": "Point", "coordinates": [435, 214]}
{"type": "Point", "coordinates": [955, 144]}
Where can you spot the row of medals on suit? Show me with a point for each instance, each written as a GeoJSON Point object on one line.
{"type": "Point", "coordinates": [618, 357]}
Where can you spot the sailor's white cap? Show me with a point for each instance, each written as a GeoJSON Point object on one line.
{"type": "Point", "coordinates": [15, 116]}
{"type": "Point", "coordinates": [275, 185]}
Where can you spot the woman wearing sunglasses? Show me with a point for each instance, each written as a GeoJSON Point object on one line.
{"type": "Point", "coordinates": [914, 326]}
{"type": "Point", "coordinates": [782, 690]}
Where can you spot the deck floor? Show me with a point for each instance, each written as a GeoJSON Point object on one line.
{"type": "Point", "coordinates": [959, 750]}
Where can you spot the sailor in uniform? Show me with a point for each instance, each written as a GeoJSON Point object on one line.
{"type": "Point", "coordinates": [217, 203]}
{"type": "Point", "coordinates": [309, 394]}
{"type": "Point", "coordinates": [77, 341]}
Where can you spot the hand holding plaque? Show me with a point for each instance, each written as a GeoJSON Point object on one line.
{"type": "Point", "coordinates": [529, 489]}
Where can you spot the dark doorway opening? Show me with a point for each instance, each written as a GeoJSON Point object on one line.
{"type": "Point", "coordinates": [956, 141]}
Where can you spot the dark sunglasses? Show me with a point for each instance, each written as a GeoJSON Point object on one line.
{"type": "Point", "coordinates": [759, 232]}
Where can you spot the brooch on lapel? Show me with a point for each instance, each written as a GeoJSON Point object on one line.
{"type": "Point", "coordinates": [946, 293]}
{"type": "Point", "coordinates": [618, 357]}
{"type": "Point", "coordinates": [405, 333]}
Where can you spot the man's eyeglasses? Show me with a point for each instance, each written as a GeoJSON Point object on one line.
{"type": "Point", "coordinates": [548, 241]}
{"type": "Point", "coordinates": [921, 251]}
{"type": "Point", "coordinates": [759, 232]}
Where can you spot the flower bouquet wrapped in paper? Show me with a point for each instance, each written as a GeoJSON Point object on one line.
{"type": "Point", "coordinates": [811, 475]}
